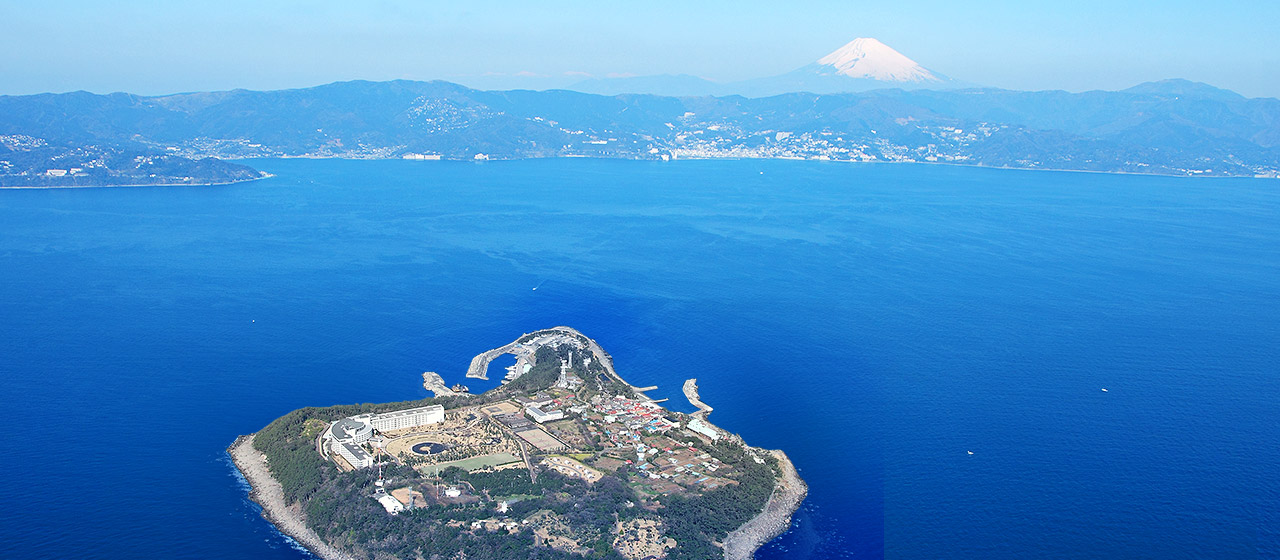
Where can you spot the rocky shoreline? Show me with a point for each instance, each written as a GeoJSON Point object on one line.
{"type": "Point", "coordinates": [775, 519]}
{"type": "Point", "coordinates": [266, 492]}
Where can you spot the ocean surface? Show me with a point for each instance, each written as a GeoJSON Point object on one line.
{"type": "Point", "coordinates": [877, 322]}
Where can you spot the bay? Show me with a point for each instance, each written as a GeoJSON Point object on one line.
{"type": "Point", "coordinates": [877, 322]}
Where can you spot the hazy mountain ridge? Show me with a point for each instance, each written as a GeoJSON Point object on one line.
{"type": "Point", "coordinates": [1174, 127]}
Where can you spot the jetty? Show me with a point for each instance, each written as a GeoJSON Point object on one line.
{"type": "Point", "coordinates": [432, 381]}
{"type": "Point", "coordinates": [523, 349]}
{"type": "Point", "coordinates": [479, 368]}
{"type": "Point", "coordinates": [691, 393]}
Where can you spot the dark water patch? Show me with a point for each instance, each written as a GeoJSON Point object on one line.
{"type": "Point", "coordinates": [429, 448]}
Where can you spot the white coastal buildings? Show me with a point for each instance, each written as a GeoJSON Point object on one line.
{"type": "Point", "coordinates": [421, 157]}
{"type": "Point", "coordinates": [701, 427]}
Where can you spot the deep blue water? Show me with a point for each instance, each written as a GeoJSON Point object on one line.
{"type": "Point", "coordinates": [877, 322]}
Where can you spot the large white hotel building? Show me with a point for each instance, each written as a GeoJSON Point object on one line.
{"type": "Point", "coordinates": [408, 418]}
{"type": "Point", "coordinates": [345, 436]}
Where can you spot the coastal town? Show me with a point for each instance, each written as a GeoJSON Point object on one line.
{"type": "Point", "coordinates": [509, 462]}
{"type": "Point", "coordinates": [694, 136]}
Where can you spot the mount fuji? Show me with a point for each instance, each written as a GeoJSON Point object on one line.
{"type": "Point", "coordinates": [869, 59]}
{"type": "Point", "coordinates": [862, 64]}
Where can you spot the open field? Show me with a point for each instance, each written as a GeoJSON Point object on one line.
{"type": "Point", "coordinates": [503, 407]}
{"type": "Point", "coordinates": [541, 439]}
{"type": "Point", "coordinates": [481, 462]}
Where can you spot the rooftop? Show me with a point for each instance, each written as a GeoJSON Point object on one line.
{"type": "Point", "coordinates": [412, 411]}
{"type": "Point", "coordinates": [356, 451]}
{"type": "Point", "coordinates": [348, 427]}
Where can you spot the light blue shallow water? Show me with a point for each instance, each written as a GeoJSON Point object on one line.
{"type": "Point", "coordinates": [877, 322]}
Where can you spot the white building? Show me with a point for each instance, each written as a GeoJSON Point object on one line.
{"type": "Point", "coordinates": [392, 505]}
{"type": "Point", "coordinates": [541, 417]}
{"type": "Point", "coordinates": [356, 429]}
{"type": "Point", "coordinates": [354, 454]}
{"type": "Point", "coordinates": [703, 428]}
{"type": "Point", "coordinates": [421, 416]}
{"type": "Point", "coordinates": [345, 436]}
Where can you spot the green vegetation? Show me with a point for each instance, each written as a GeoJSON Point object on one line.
{"type": "Point", "coordinates": [695, 522]}
{"type": "Point", "coordinates": [291, 454]}
{"type": "Point", "coordinates": [341, 512]}
{"type": "Point", "coordinates": [543, 374]}
{"type": "Point", "coordinates": [482, 462]}
{"type": "Point", "coordinates": [290, 442]}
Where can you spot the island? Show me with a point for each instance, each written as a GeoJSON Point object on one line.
{"type": "Point", "coordinates": [563, 460]}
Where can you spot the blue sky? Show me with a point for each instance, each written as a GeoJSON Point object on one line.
{"type": "Point", "coordinates": [163, 47]}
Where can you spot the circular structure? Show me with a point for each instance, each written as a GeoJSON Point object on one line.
{"type": "Point", "coordinates": [429, 448]}
{"type": "Point", "coordinates": [355, 429]}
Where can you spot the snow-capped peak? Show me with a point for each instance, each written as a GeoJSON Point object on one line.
{"type": "Point", "coordinates": [868, 58]}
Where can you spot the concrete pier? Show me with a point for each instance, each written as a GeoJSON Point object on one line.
{"type": "Point", "coordinates": [479, 368]}
{"type": "Point", "coordinates": [691, 393]}
{"type": "Point", "coordinates": [432, 381]}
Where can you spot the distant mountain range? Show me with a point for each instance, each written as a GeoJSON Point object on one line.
{"type": "Point", "coordinates": [863, 64]}
{"type": "Point", "coordinates": [1171, 127]}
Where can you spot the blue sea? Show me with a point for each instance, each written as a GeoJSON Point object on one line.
{"type": "Point", "coordinates": [929, 344]}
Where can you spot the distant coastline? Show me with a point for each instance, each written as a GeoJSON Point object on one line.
{"type": "Point", "coordinates": [262, 175]}
{"type": "Point", "coordinates": [809, 160]}
{"type": "Point", "coordinates": [1220, 133]}
{"type": "Point", "coordinates": [265, 175]}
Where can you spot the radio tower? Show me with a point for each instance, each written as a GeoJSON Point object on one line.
{"type": "Point", "coordinates": [379, 483]}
